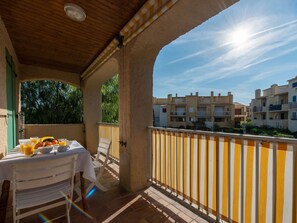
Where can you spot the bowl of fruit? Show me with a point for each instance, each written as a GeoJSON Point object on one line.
{"type": "Point", "coordinates": [46, 144]}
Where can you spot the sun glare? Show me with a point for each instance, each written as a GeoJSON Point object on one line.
{"type": "Point", "coordinates": [239, 37]}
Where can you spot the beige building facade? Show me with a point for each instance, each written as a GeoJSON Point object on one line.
{"type": "Point", "coordinates": [194, 111]}
{"type": "Point", "coordinates": [271, 107]}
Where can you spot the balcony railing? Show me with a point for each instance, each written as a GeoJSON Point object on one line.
{"type": "Point", "coordinates": [279, 107]}
{"type": "Point", "coordinates": [178, 113]}
{"type": "Point", "coordinates": [236, 178]}
{"type": "Point", "coordinates": [222, 113]}
{"type": "Point", "coordinates": [111, 131]}
{"type": "Point", "coordinates": [203, 113]}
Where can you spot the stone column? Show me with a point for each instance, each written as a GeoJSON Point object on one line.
{"type": "Point", "coordinates": [92, 101]}
{"type": "Point", "coordinates": [92, 114]}
{"type": "Point", "coordinates": [136, 114]}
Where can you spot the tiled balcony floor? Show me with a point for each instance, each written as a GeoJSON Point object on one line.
{"type": "Point", "coordinates": [118, 206]}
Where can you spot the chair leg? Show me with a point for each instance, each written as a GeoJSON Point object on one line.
{"type": "Point", "coordinates": [18, 213]}
{"type": "Point", "coordinates": [67, 212]}
{"type": "Point", "coordinates": [15, 214]}
{"type": "Point", "coordinates": [100, 186]}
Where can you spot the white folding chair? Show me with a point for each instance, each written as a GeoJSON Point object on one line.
{"type": "Point", "coordinates": [40, 182]}
{"type": "Point", "coordinates": [99, 166]}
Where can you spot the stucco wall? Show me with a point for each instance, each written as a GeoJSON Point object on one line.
{"type": "Point", "coordinates": [65, 131]}
{"type": "Point", "coordinates": [5, 43]}
{"type": "Point", "coordinates": [29, 73]}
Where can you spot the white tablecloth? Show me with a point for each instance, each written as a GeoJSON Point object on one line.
{"type": "Point", "coordinates": [83, 163]}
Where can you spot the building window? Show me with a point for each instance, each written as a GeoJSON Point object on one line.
{"type": "Point", "coordinates": [191, 109]}
{"type": "Point", "coordinates": [294, 98]}
{"type": "Point", "coordinates": [264, 104]}
{"type": "Point", "coordinates": [294, 84]}
{"type": "Point", "coordinates": [282, 115]}
{"type": "Point", "coordinates": [264, 116]}
{"type": "Point", "coordinates": [164, 110]}
{"type": "Point", "coordinates": [294, 116]}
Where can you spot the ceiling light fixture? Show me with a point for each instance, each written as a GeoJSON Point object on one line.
{"type": "Point", "coordinates": [75, 12]}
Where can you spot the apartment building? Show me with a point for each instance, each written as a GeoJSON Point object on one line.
{"type": "Point", "coordinates": [292, 99]}
{"type": "Point", "coordinates": [276, 106]}
{"type": "Point", "coordinates": [194, 110]}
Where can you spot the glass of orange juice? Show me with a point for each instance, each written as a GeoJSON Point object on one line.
{"type": "Point", "coordinates": [28, 148]}
{"type": "Point", "coordinates": [34, 140]}
{"type": "Point", "coordinates": [22, 147]}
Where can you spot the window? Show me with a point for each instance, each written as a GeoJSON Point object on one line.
{"type": "Point", "coordinates": [264, 116]}
{"type": "Point", "coordinates": [294, 84]}
{"type": "Point", "coordinates": [294, 98]}
{"type": "Point", "coordinates": [264, 104]}
{"type": "Point", "coordinates": [294, 116]}
{"type": "Point", "coordinates": [164, 110]}
{"type": "Point", "coordinates": [282, 115]}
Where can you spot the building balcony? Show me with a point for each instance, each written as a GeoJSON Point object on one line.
{"type": "Point", "coordinates": [222, 113]}
{"type": "Point", "coordinates": [203, 113]}
{"type": "Point", "coordinates": [279, 107]}
{"type": "Point", "coordinates": [178, 113]}
{"type": "Point", "coordinates": [275, 107]}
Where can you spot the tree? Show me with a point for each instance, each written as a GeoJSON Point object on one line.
{"type": "Point", "coordinates": [51, 102]}
{"type": "Point", "coordinates": [110, 100]}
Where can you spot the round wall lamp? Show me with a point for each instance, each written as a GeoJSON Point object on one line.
{"type": "Point", "coordinates": [75, 12]}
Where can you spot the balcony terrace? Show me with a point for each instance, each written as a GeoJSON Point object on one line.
{"type": "Point", "coordinates": [196, 173]}
{"type": "Point", "coordinates": [119, 206]}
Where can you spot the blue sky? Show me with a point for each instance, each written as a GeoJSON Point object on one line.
{"type": "Point", "coordinates": [250, 45]}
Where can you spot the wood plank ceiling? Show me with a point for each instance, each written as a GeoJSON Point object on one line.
{"type": "Point", "coordinates": [42, 34]}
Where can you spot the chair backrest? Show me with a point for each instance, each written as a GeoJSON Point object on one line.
{"type": "Point", "coordinates": [103, 148]}
{"type": "Point", "coordinates": [42, 173]}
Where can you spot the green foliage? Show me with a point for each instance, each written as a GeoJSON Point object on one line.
{"type": "Point", "coordinates": [51, 102]}
{"type": "Point", "coordinates": [110, 100]}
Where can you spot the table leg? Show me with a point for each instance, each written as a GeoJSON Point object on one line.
{"type": "Point", "coordinates": [4, 199]}
{"type": "Point", "coordinates": [83, 191]}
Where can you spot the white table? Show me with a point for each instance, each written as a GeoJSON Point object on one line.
{"type": "Point", "coordinates": [83, 163]}
{"type": "Point", "coordinates": [84, 166]}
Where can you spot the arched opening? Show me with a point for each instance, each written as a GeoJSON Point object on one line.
{"type": "Point", "coordinates": [51, 102]}
{"type": "Point", "coordinates": [51, 108]}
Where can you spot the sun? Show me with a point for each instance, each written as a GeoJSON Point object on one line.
{"type": "Point", "coordinates": [239, 36]}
